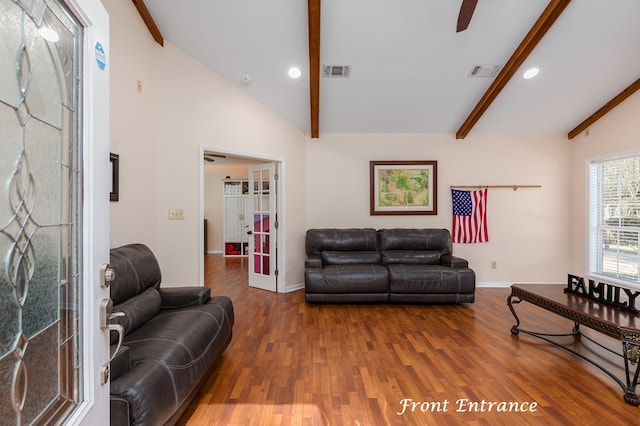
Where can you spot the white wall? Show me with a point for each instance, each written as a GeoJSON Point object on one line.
{"type": "Point", "coordinates": [617, 132]}
{"type": "Point", "coordinates": [528, 228]}
{"type": "Point", "coordinates": [133, 125]}
{"type": "Point", "coordinates": [158, 132]}
{"type": "Point", "coordinates": [196, 107]}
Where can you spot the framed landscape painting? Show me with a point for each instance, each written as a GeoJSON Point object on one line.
{"type": "Point", "coordinates": [404, 187]}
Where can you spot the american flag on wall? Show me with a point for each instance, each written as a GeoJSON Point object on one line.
{"type": "Point", "coordinates": [469, 216]}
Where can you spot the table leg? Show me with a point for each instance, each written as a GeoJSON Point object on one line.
{"type": "Point", "coordinates": [631, 354]}
{"type": "Point", "coordinates": [510, 301]}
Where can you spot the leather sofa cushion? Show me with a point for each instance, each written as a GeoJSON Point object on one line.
{"type": "Point", "coordinates": [454, 262]}
{"type": "Point", "coordinates": [136, 269]}
{"type": "Point", "coordinates": [137, 311]}
{"type": "Point", "coordinates": [425, 279]}
{"type": "Point", "coordinates": [421, 257]}
{"type": "Point", "coordinates": [175, 337]}
{"type": "Point", "coordinates": [349, 239]}
{"type": "Point", "coordinates": [344, 279]}
{"type": "Point", "coordinates": [313, 261]}
{"type": "Point", "coordinates": [181, 297]}
{"type": "Point", "coordinates": [416, 239]}
{"type": "Point", "coordinates": [169, 355]}
{"type": "Point", "coordinates": [121, 362]}
{"type": "Point", "coordinates": [330, 257]}
{"type": "Point", "coordinates": [144, 396]}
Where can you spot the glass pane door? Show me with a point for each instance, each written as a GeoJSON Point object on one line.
{"type": "Point", "coordinates": [262, 256]}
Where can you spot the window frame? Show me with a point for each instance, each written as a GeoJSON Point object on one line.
{"type": "Point", "coordinates": [594, 217]}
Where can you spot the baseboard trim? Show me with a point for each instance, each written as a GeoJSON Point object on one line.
{"type": "Point", "coordinates": [294, 287]}
{"type": "Point", "coordinates": [493, 284]}
{"type": "Point", "coordinates": [489, 284]}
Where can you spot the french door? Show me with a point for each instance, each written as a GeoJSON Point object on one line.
{"type": "Point", "coordinates": [263, 227]}
{"type": "Point", "coordinates": [54, 146]}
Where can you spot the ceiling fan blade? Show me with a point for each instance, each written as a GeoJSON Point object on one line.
{"type": "Point", "coordinates": [466, 12]}
{"type": "Point", "coordinates": [210, 157]}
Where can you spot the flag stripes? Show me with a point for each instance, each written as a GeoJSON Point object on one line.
{"type": "Point", "coordinates": [469, 216]}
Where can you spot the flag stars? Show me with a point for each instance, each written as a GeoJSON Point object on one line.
{"type": "Point", "coordinates": [469, 216]}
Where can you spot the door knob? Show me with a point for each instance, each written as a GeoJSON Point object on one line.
{"type": "Point", "coordinates": [107, 275]}
{"type": "Point", "coordinates": [249, 232]}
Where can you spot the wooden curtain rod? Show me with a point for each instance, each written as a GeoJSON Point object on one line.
{"type": "Point", "coordinates": [514, 187]}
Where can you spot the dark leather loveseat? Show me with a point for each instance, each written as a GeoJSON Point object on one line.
{"type": "Point", "coordinates": [364, 265]}
{"type": "Point", "coordinates": [173, 336]}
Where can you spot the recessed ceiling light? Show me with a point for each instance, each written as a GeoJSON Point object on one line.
{"type": "Point", "coordinates": [530, 73]}
{"type": "Point", "coordinates": [49, 34]}
{"type": "Point", "coordinates": [294, 72]}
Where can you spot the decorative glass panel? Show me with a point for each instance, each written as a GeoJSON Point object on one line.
{"type": "Point", "coordinates": [11, 31]}
{"type": "Point", "coordinates": [39, 212]}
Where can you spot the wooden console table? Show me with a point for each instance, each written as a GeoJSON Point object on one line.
{"type": "Point", "coordinates": [616, 323]}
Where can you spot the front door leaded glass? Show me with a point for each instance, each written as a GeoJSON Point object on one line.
{"type": "Point", "coordinates": [39, 211]}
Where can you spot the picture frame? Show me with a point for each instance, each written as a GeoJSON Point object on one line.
{"type": "Point", "coordinates": [403, 187]}
{"type": "Point", "coordinates": [114, 160]}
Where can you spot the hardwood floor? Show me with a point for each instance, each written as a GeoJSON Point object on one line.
{"type": "Point", "coordinates": [291, 363]}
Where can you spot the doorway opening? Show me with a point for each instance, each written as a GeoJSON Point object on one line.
{"type": "Point", "coordinates": [221, 168]}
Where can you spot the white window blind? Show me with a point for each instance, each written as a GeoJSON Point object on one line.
{"type": "Point", "coordinates": [614, 218]}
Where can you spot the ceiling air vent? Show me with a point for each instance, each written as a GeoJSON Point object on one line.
{"type": "Point", "coordinates": [337, 71]}
{"type": "Point", "coordinates": [484, 71]}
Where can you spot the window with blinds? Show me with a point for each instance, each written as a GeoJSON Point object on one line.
{"type": "Point", "coordinates": [614, 218]}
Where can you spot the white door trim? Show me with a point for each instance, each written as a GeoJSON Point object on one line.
{"type": "Point", "coordinates": [281, 232]}
{"type": "Point", "coordinates": [94, 408]}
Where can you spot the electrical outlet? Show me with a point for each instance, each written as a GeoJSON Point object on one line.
{"type": "Point", "coordinates": [176, 214]}
{"type": "Point", "coordinates": [139, 86]}
{"type": "Point", "coordinates": [494, 264]}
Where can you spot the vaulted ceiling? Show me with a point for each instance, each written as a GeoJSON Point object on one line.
{"type": "Point", "coordinates": [409, 67]}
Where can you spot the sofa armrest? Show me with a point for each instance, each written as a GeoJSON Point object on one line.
{"type": "Point", "coordinates": [453, 261]}
{"type": "Point", "coordinates": [313, 261]}
{"type": "Point", "coordinates": [180, 297]}
{"type": "Point", "coordinates": [121, 362]}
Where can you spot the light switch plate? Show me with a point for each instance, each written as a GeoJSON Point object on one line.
{"type": "Point", "coordinates": [176, 214]}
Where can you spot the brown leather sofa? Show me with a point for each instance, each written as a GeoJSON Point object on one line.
{"type": "Point", "coordinates": [364, 265]}
{"type": "Point", "coordinates": [173, 337]}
